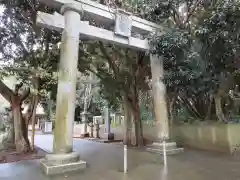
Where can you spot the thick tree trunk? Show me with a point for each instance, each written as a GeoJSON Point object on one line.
{"type": "Point", "coordinates": [21, 138]}
{"type": "Point", "coordinates": [8, 137]}
{"type": "Point", "coordinates": [218, 108]}
{"type": "Point", "coordinates": [137, 127]}
{"type": "Point", "coordinates": [20, 128]}
{"type": "Point", "coordinates": [137, 123]}
{"type": "Point", "coordinates": [225, 84]}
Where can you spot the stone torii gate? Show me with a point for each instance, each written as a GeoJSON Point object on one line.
{"type": "Point", "coordinates": [63, 158]}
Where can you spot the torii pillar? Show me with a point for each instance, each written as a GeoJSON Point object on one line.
{"type": "Point", "coordinates": [63, 158]}
{"type": "Point", "coordinates": [160, 109]}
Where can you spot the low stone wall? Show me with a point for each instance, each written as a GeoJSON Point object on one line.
{"type": "Point", "coordinates": [213, 137]}
{"type": "Point", "coordinates": [149, 129]}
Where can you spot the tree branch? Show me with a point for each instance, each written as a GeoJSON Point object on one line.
{"type": "Point", "coordinates": [140, 66]}
{"type": "Point", "coordinates": [109, 59]}
{"type": "Point", "coordinates": [17, 88]}
{"type": "Point", "coordinates": [25, 94]}
{"type": "Point", "coordinates": [6, 92]}
{"type": "Point", "coordinates": [190, 13]}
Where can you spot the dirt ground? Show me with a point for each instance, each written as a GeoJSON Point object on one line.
{"type": "Point", "coordinates": [13, 156]}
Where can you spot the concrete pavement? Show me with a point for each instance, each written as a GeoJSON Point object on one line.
{"type": "Point", "coordinates": [105, 162]}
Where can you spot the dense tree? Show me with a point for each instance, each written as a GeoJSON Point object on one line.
{"type": "Point", "coordinates": [197, 41]}
{"type": "Point", "coordinates": [200, 51]}
{"type": "Point", "coordinates": [122, 77]}
{"type": "Point", "coordinates": [30, 54]}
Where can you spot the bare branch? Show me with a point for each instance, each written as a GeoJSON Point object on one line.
{"type": "Point", "coordinates": [109, 59]}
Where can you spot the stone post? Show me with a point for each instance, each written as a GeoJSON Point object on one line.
{"type": "Point", "coordinates": [108, 135]}
{"type": "Point", "coordinates": [159, 101]}
{"type": "Point", "coordinates": [118, 117]}
{"type": "Point", "coordinates": [63, 158]}
{"type": "Point", "coordinates": [97, 128]}
{"type": "Point", "coordinates": [114, 118]}
{"type": "Point", "coordinates": [91, 129]}
{"type": "Point", "coordinates": [85, 124]}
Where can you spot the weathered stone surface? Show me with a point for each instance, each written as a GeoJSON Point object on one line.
{"type": "Point", "coordinates": [171, 148]}
{"type": "Point", "coordinates": [52, 169]}
{"type": "Point", "coordinates": [62, 158]}
{"type": "Point", "coordinates": [66, 91]}
{"type": "Point", "coordinates": [159, 97]}
{"type": "Point", "coordinates": [85, 116]}
{"type": "Point", "coordinates": [61, 163]}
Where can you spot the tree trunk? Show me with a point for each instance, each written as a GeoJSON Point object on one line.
{"type": "Point", "coordinates": [127, 123]}
{"type": "Point", "coordinates": [218, 108]}
{"type": "Point", "coordinates": [208, 115]}
{"type": "Point", "coordinates": [225, 84]}
{"type": "Point", "coordinates": [171, 116]}
{"type": "Point", "coordinates": [137, 124]}
{"type": "Point", "coordinates": [21, 138]}
{"type": "Point", "coordinates": [8, 136]}
{"type": "Point", "coordinates": [20, 128]}
{"type": "Point", "coordinates": [35, 82]}
{"type": "Point", "coordinates": [34, 121]}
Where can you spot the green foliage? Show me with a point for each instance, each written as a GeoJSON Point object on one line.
{"type": "Point", "coordinates": [199, 41]}
{"type": "Point", "coordinates": [200, 46]}
{"type": "Point", "coordinates": [26, 50]}
{"type": "Point", "coordinates": [146, 106]}
{"type": "Point", "coordinates": [218, 34]}
{"type": "Point", "coordinates": [119, 70]}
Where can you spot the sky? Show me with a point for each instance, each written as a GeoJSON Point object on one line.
{"type": "Point", "coordinates": [1, 9]}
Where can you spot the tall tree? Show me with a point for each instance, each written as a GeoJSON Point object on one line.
{"type": "Point", "coordinates": [122, 74]}
{"type": "Point", "coordinates": [200, 50]}
{"type": "Point", "coordinates": [29, 53]}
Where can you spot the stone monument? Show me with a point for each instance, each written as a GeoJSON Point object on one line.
{"type": "Point", "coordinates": [85, 116]}
{"type": "Point", "coordinates": [97, 129]}
{"type": "Point", "coordinates": [108, 135]}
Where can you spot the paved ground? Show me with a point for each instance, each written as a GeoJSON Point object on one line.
{"type": "Point", "coordinates": [105, 162]}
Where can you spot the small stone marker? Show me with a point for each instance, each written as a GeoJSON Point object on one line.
{"type": "Point", "coordinates": [91, 129]}
{"type": "Point", "coordinates": [108, 134]}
